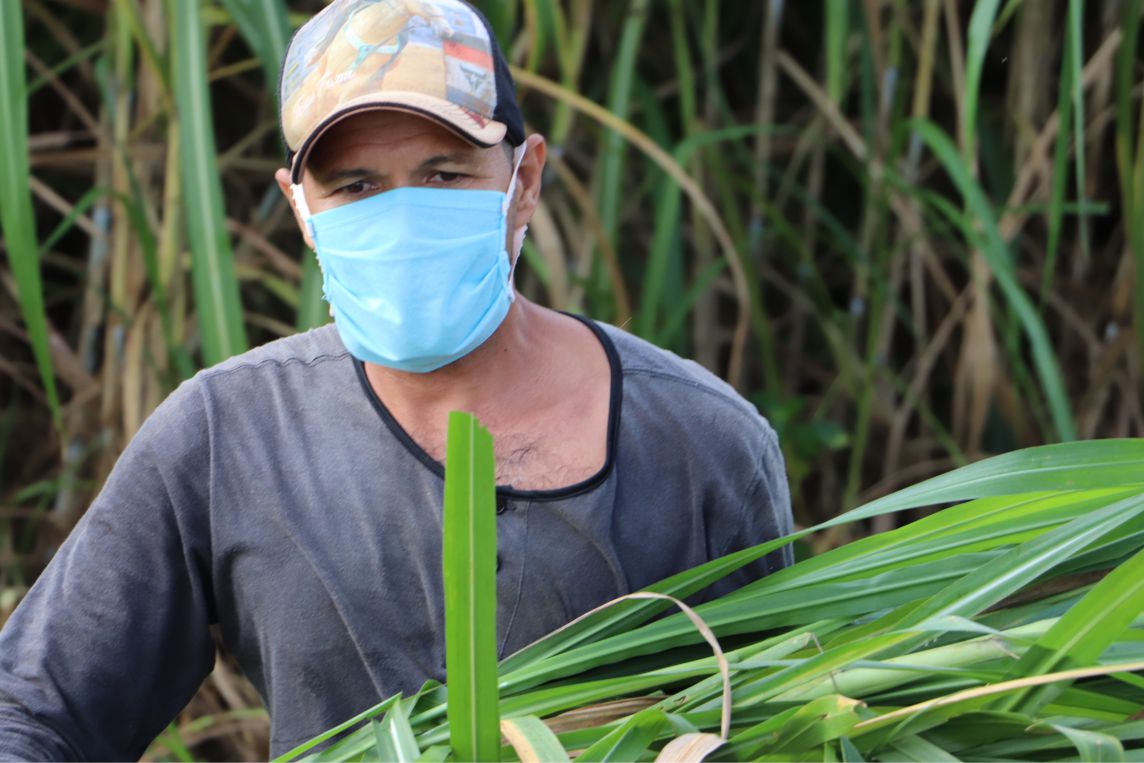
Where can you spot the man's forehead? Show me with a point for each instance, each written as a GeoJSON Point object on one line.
{"type": "Point", "coordinates": [389, 135]}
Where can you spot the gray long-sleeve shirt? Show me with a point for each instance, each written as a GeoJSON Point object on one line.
{"type": "Point", "coordinates": [275, 496]}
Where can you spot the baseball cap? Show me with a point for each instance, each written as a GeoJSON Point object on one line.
{"type": "Point", "coordinates": [435, 58]}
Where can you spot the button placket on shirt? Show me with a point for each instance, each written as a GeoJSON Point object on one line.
{"type": "Point", "coordinates": [502, 507]}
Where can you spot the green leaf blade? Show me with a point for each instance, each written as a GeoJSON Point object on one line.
{"type": "Point", "coordinates": [533, 740]}
{"type": "Point", "coordinates": [469, 552]}
{"type": "Point", "coordinates": [996, 253]}
{"type": "Point", "coordinates": [17, 219]}
{"type": "Point", "coordinates": [212, 260]}
{"type": "Point", "coordinates": [627, 741]}
{"type": "Point", "coordinates": [266, 29]}
{"type": "Point", "coordinates": [394, 736]}
{"type": "Point", "coordinates": [1093, 746]}
{"type": "Point", "coordinates": [1085, 631]}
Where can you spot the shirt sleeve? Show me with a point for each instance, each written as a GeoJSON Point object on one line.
{"type": "Point", "coordinates": [113, 638]}
{"type": "Point", "coordinates": [764, 513]}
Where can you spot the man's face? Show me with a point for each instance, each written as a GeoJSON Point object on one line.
{"type": "Point", "coordinates": [377, 151]}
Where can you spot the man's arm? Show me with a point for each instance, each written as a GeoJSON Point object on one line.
{"type": "Point", "coordinates": [112, 640]}
{"type": "Point", "coordinates": [764, 513]}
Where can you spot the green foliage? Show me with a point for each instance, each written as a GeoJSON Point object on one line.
{"type": "Point", "coordinates": [17, 221]}
{"type": "Point", "coordinates": [980, 227]}
{"type": "Point", "coordinates": [216, 286]}
{"type": "Point", "coordinates": [532, 739]}
{"type": "Point", "coordinates": [887, 647]}
{"type": "Point", "coordinates": [394, 737]}
{"type": "Point", "coordinates": [895, 226]}
{"type": "Point", "coordinates": [265, 28]}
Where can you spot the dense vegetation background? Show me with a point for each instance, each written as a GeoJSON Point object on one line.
{"type": "Point", "coordinates": [908, 230]}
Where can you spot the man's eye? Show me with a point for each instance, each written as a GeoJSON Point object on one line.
{"type": "Point", "coordinates": [353, 189]}
{"type": "Point", "coordinates": [445, 177]}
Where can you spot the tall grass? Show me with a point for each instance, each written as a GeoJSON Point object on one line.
{"type": "Point", "coordinates": [17, 221]}
{"type": "Point", "coordinates": [216, 286]}
{"type": "Point", "coordinates": [912, 233]}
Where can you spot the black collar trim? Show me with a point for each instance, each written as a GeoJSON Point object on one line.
{"type": "Point", "coordinates": [615, 404]}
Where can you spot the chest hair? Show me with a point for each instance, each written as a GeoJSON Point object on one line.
{"type": "Point", "coordinates": [526, 462]}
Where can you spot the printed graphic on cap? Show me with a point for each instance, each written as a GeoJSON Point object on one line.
{"type": "Point", "coordinates": [355, 48]}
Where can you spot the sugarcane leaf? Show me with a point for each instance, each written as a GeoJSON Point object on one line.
{"type": "Point", "coordinates": [305, 747]}
{"type": "Point", "coordinates": [807, 730]}
{"type": "Point", "coordinates": [917, 748]}
{"type": "Point", "coordinates": [431, 693]}
{"type": "Point", "coordinates": [438, 753]}
{"type": "Point", "coordinates": [980, 32]}
{"type": "Point", "coordinates": [1092, 746]}
{"type": "Point", "coordinates": [785, 608]}
{"type": "Point", "coordinates": [1092, 703]}
{"type": "Point", "coordinates": [953, 624]}
{"type": "Point", "coordinates": [849, 753]}
{"type": "Point", "coordinates": [547, 700]}
{"type": "Point", "coordinates": [266, 29]}
{"type": "Point", "coordinates": [1070, 69]}
{"type": "Point", "coordinates": [820, 720]}
{"type": "Point", "coordinates": [978, 525]}
{"type": "Point", "coordinates": [959, 659]}
{"type": "Point", "coordinates": [215, 284]}
{"type": "Point", "coordinates": [394, 736]}
{"type": "Point", "coordinates": [17, 218]}
{"type": "Point", "coordinates": [1079, 637]}
{"type": "Point", "coordinates": [1074, 466]}
{"type": "Point", "coordinates": [1007, 573]}
{"type": "Point", "coordinates": [944, 538]}
{"type": "Point", "coordinates": [689, 748]}
{"type": "Point", "coordinates": [978, 584]}
{"type": "Point", "coordinates": [983, 583]}
{"type": "Point", "coordinates": [532, 740]}
{"type": "Point", "coordinates": [469, 551]}
{"type": "Point", "coordinates": [627, 741]}
{"type": "Point", "coordinates": [1016, 743]}
{"type": "Point", "coordinates": [748, 742]}
{"type": "Point", "coordinates": [965, 733]}
{"type": "Point", "coordinates": [933, 712]}
{"type": "Point", "coordinates": [982, 587]}
{"type": "Point", "coordinates": [995, 251]}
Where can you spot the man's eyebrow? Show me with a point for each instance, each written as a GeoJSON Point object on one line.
{"type": "Point", "coordinates": [333, 176]}
{"type": "Point", "coordinates": [461, 157]}
{"type": "Point", "coordinates": [351, 173]}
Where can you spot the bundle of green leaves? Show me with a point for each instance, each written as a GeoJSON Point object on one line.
{"type": "Point", "coordinates": [1006, 626]}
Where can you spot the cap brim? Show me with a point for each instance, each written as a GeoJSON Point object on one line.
{"type": "Point", "coordinates": [445, 113]}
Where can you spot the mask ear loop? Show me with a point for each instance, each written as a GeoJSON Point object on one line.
{"type": "Point", "coordinates": [303, 208]}
{"type": "Point", "coordinates": [517, 156]}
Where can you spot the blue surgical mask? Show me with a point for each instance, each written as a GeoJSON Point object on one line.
{"type": "Point", "coordinates": [416, 277]}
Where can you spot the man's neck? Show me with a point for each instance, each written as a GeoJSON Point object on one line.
{"type": "Point", "coordinates": [499, 374]}
{"type": "Point", "coordinates": [542, 386]}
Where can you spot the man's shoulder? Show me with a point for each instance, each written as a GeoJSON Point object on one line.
{"type": "Point", "coordinates": [306, 349]}
{"type": "Point", "coordinates": [285, 362]}
{"type": "Point", "coordinates": [250, 384]}
{"type": "Point", "coordinates": [666, 393]}
{"type": "Point", "coordinates": [663, 370]}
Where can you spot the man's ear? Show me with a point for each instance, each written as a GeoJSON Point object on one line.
{"type": "Point", "coordinates": [283, 178]}
{"type": "Point", "coordinates": [528, 179]}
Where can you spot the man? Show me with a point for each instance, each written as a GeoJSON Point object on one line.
{"type": "Point", "coordinates": [292, 495]}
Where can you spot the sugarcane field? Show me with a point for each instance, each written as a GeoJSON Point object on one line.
{"type": "Point", "coordinates": [549, 380]}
